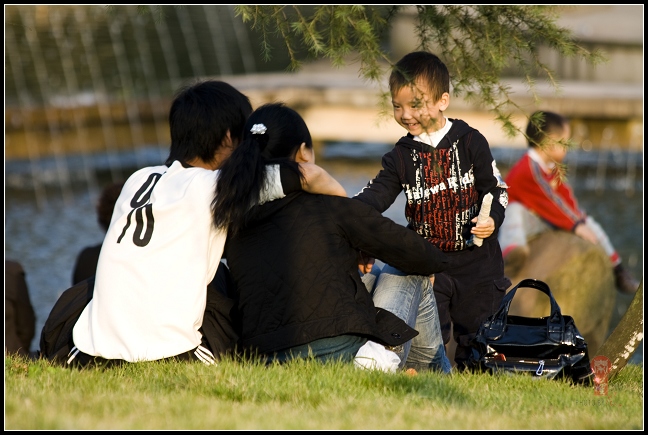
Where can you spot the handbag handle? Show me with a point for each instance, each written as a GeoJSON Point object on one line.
{"type": "Point", "coordinates": [555, 322]}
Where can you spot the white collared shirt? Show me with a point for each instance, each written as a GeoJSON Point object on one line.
{"type": "Point", "coordinates": [434, 137]}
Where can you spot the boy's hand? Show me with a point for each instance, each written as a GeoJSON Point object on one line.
{"type": "Point", "coordinates": [317, 180]}
{"type": "Point", "coordinates": [365, 263]}
{"type": "Point", "coordinates": [484, 229]}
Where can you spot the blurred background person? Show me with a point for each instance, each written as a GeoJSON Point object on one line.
{"type": "Point", "coordinates": [542, 199]}
{"type": "Point", "coordinates": [85, 265]}
{"type": "Point", "coordinates": [20, 320]}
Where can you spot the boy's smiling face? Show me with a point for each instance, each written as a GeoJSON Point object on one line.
{"type": "Point", "coordinates": [415, 111]}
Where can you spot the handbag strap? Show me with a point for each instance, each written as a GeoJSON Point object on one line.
{"type": "Point", "coordinates": [555, 321]}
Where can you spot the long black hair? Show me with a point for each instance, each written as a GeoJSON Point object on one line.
{"type": "Point", "coordinates": [272, 134]}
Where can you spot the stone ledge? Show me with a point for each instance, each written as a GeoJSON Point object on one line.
{"type": "Point", "coordinates": [344, 87]}
{"type": "Point", "coordinates": [338, 106]}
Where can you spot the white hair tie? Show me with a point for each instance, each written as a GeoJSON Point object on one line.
{"type": "Point", "coordinates": [258, 129]}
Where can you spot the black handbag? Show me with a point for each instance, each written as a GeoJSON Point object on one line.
{"type": "Point", "coordinates": [547, 347]}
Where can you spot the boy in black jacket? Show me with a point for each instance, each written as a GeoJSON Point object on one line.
{"type": "Point", "coordinates": [445, 168]}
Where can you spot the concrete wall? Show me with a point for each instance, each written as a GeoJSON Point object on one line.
{"type": "Point", "coordinates": [616, 30]}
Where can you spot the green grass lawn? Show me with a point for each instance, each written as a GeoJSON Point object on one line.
{"type": "Point", "coordinates": [305, 395]}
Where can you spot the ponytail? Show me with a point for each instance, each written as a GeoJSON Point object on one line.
{"type": "Point", "coordinates": [238, 186]}
{"type": "Point", "coordinates": [272, 135]}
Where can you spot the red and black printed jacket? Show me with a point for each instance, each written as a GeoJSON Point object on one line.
{"type": "Point", "coordinates": [444, 186]}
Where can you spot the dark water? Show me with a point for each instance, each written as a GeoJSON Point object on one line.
{"type": "Point", "coordinates": [46, 233]}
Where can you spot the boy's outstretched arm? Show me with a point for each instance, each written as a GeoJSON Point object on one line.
{"type": "Point", "coordinates": [317, 180]}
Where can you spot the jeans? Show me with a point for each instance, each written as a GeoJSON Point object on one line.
{"type": "Point", "coordinates": [332, 349]}
{"type": "Point", "coordinates": [411, 298]}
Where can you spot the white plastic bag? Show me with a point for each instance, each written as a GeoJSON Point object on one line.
{"type": "Point", "coordinates": [374, 356]}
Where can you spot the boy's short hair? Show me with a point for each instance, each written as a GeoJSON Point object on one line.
{"type": "Point", "coordinates": [200, 117]}
{"type": "Point", "coordinates": [421, 65]}
{"type": "Point", "coordinates": [547, 123]}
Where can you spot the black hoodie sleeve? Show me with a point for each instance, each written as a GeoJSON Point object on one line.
{"type": "Point", "coordinates": [384, 188]}
{"type": "Point", "coordinates": [488, 178]}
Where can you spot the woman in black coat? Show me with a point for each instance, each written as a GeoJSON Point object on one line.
{"type": "Point", "coordinates": [294, 261]}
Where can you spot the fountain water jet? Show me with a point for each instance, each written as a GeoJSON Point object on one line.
{"type": "Point", "coordinates": [100, 95]}
{"type": "Point", "coordinates": [72, 88]}
{"type": "Point", "coordinates": [152, 83]}
{"type": "Point", "coordinates": [193, 48]}
{"type": "Point", "coordinates": [127, 86]}
{"type": "Point", "coordinates": [32, 150]}
{"type": "Point", "coordinates": [61, 170]}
